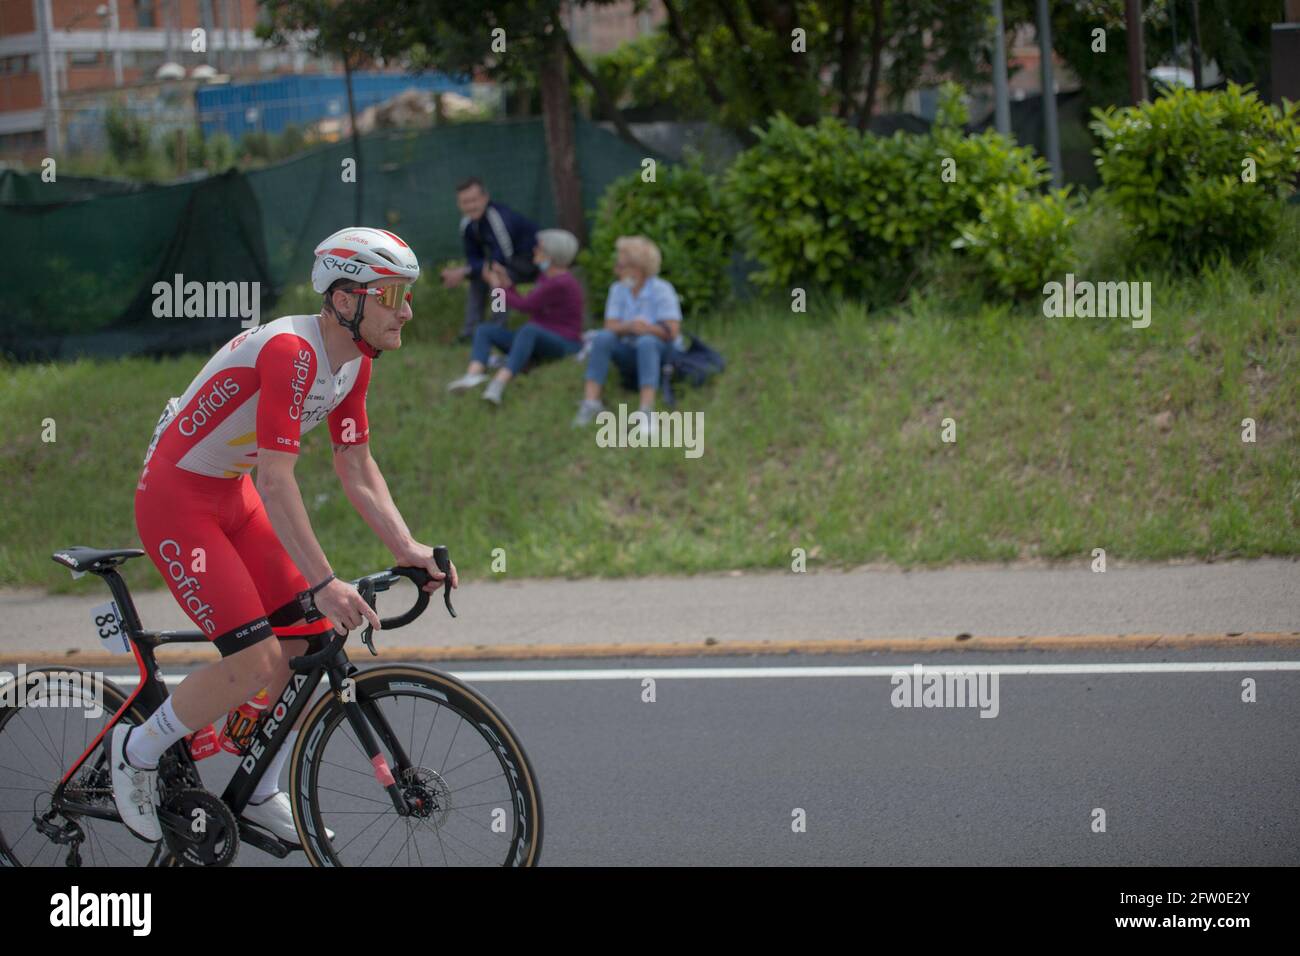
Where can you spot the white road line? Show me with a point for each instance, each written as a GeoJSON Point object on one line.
{"type": "Point", "coordinates": [741, 673]}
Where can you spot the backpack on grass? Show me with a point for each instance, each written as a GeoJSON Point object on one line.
{"type": "Point", "coordinates": [693, 366]}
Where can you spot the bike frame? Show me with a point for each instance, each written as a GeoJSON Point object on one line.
{"type": "Point", "coordinates": [268, 734]}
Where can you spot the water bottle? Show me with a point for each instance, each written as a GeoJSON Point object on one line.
{"type": "Point", "coordinates": [241, 721]}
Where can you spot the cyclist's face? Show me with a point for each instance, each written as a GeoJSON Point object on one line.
{"type": "Point", "coordinates": [382, 326]}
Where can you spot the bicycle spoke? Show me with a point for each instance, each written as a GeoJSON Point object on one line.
{"type": "Point", "coordinates": [471, 846]}
{"type": "Point", "coordinates": [357, 795]}
{"type": "Point", "coordinates": [480, 825]}
{"type": "Point", "coordinates": [451, 770]}
{"type": "Point", "coordinates": [475, 784]}
{"type": "Point", "coordinates": [26, 774]}
{"type": "Point", "coordinates": [22, 753]}
{"type": "Point", "coordinates": [437, 710]}
{"type": "Point", "coordinates": [360, 773]}
{"type": "Point", "coordinates": [50, 749]}
{"type": "Point", "coordinates": [381, 838]}
{"type": "Point", "coordinates": [378, 816]}
{"type": "Point", "coordinates": [453, 742]}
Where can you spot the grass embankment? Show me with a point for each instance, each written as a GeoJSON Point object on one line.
{"type": "Point", "coordinates": [824, 433]}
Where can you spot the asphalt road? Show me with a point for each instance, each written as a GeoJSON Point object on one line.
{"type": "Point", "coordinates": [716, 768]}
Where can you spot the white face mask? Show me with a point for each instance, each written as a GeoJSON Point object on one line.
{"type": "Point", "coordinates": [628, 281]}
{"type": "Point", "coordinates": [544, 265]}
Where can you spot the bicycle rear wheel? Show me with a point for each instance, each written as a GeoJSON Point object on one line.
{"type": "Point", "coordinates": [473, 789]}
{"type": "Point", "coordinates": [45, 725]}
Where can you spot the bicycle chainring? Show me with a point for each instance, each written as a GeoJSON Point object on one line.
{"type": "Point", "coordinates": [210, 834]}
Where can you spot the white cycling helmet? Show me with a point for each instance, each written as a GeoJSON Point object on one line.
{"type": "Point", "coordinates": [362, 255]}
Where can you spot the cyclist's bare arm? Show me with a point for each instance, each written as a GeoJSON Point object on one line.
{"type": "Point", "coordinates": [366, 488]}
{"type": "Point", "coordinates": [338, 600]}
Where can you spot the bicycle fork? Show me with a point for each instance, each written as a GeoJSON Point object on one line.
{"type": "Point", "coordinates": [362, 716]}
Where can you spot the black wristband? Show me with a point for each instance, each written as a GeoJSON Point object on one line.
{"type": "Point", "coordinates": [323, 583]}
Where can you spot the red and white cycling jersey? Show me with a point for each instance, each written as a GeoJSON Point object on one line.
{"type": "Point", "coordinates": [265, 388]}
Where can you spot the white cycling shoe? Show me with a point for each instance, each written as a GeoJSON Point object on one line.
{"type": "Point", "coordinates": [135, 791]}
{"type": "Point", "coordinates": [275, 814]}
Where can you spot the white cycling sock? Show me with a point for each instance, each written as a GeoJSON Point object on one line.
{"type": "Point", "coordinates": [148, 741]}
{"type": "Point", "coordinates": [270, 781]}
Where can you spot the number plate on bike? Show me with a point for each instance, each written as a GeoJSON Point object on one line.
{"type": "Point", "coordinates": [109, 628]}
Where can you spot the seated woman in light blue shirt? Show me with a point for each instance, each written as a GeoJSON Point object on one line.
{"type": "Point", "coordinates": [643, 318]}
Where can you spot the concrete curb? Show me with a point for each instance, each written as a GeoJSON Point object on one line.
{"type": "Point", "coordinates": [203, 654]}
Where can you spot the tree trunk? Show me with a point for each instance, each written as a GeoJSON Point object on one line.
{"type": "Point", "coordinates": [356, 136]}
{"type": "Point", "coordinates": [604, 101]}
{"type": "Point", "coordinates": [877, 55]}
{"type": "Point", "coordinates": [850, 49]}
{"type": "Point", "coordinates": [557, 119]}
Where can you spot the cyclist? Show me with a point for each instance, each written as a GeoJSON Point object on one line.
{"type": "Point", "coordinates": [239, 557]}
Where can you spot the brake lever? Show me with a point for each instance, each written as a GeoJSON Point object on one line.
{"type": "Point", "coordinates": [442, 558]}
{"type": "Point", "coordinates": [367, 592]}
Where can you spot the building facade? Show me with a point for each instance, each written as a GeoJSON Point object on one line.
{"type": "Point", "coordinates": [53, 50]}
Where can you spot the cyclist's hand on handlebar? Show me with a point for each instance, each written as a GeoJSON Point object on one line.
{"type": "Point", "coordinates": [421, 556]}
{"type": "Point", "coordinates": [342, 604]}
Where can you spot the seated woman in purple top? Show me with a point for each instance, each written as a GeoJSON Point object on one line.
{"type": "Point", "coordinates": [554, 329]}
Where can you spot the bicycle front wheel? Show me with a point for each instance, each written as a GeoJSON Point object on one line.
{"type": "Point", "coordinates": [472, 790]}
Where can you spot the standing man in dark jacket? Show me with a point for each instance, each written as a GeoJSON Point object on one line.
{"type": "Point", "coordinates": [491, 233]}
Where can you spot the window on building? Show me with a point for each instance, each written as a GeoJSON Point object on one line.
{"type": "Point", "coordinates": [144, 13]}
{"type": "Point", "coordinates": [84, 58]}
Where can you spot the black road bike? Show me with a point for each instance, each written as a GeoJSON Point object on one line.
{"type": "Point", "coordinates": [395, 765]}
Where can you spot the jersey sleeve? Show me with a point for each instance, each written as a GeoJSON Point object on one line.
{"type": "Point", "coordinates": [353, 409]}
{"type": "Point", "coordinates": [286, 369]}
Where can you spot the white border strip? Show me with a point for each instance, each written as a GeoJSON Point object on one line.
{"type": "Point", "coordinates": [741, 673]}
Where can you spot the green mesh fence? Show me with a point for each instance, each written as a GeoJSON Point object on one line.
{"type": "Point", "coordinates": [99, 247]}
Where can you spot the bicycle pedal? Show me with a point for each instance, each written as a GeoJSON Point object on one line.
{"type": "Point", "coordinates": [265, 841]}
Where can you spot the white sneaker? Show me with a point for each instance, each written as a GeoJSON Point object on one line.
{"type": "Point", "coordinates": [135, 791]}
{"type": "Point", "coordinates": [587, 412]}
{"type": "Point", "coordinates": [275, 814]}
{"type": "Point", "coordinates": [467, 381]}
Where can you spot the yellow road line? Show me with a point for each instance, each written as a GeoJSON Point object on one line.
{"type": "Point", "coordinates": [202, 654]}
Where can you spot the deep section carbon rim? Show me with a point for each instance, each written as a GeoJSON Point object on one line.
{"type": "Point", "coordinates": [470, 784]}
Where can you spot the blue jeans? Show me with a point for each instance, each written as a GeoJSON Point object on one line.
{"type": "Point", "coordinates": [646, 353]}
{"type": "Point", "coordinates": [531, 341]}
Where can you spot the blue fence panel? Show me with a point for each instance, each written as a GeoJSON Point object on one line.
{"type": "Point", "coordinates": [271, 105]}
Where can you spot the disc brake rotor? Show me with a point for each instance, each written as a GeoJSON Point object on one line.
{"type": "Point", "coordinates": [427, 794]}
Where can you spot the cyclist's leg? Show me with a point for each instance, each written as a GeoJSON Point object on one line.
{"type": "Point", "coordinates": [177, 516]}
{"type": "Point", "coordinates": [277, 579]}
{"type": "Point", "coordinates": [278, 583]}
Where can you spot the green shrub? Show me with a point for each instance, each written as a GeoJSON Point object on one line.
{"type": "Point", "coordinates": [1020, 239]}
{"type": "Point", "coordinates": [1176, 171]}
{"type": "Point", "coordinates": [682, 213]}
{"type": "Point", "coordinates": [129, 139]}
{"type": "Point", "coordinates": [218, 152]}
{"type": "Point", "coordinates": [256, 144]}
{"type": "Point", "coordinates": [849, 212]}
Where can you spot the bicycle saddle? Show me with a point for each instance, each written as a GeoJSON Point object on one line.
{"type": "Point", "coordinates": [94, 559]}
